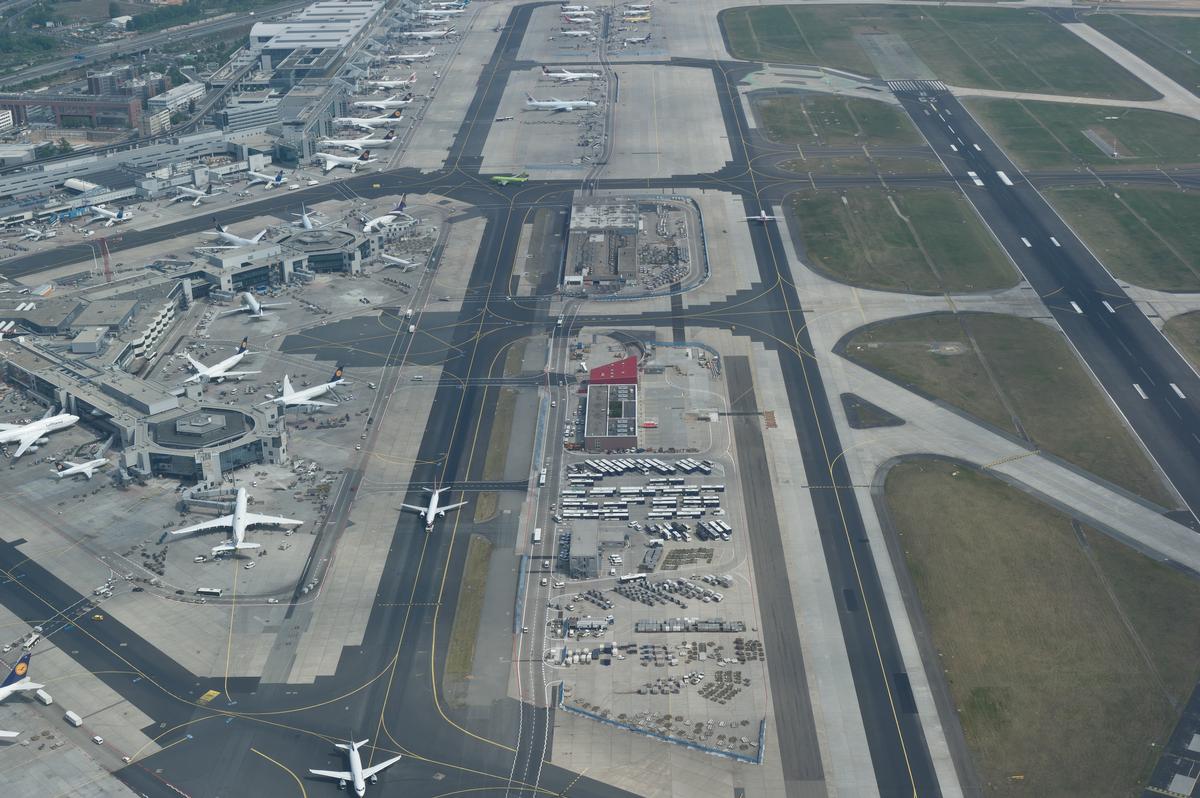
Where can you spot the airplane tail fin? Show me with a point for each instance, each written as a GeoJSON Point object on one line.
{"type": "Point", "coordinates": [391, 134]}
{"type": "Point", "coordinates": [353, 746]}
{"type": "Point", "coordinates": [244, 345]}
{"type": "Point", "coordinates": [217, 226]}
{"type": "Point", "coordinates": [287, 386]}
{"type": "Point", "coordinates": [337, 374]}
{"type": "Point", "coordinates": [364, 155]}
{"type": "Point", "coordinates": [19, 671]}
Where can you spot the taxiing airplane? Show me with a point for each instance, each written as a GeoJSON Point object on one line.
{"type": "Point", "coordinates": [555, 104]}
{"type": "Point", "coordinates": [37, 235]}
{"type": "Point", "coordinates": [18, 680]}
{"type": "Point", "coordinates": [410, 58]}
{"type": "Point", "coordinates": [504, 180]}
{"type": "Point", "coordinates": [306, 397]}
{"type": "Point", "coordinates": [360, 144]}
{"type": "Point", "coordinates": [426, 35]}
{"type": "Point", "coordinates": [248, 304]}
{"type": "Point", "coordinates": [762, 217]}
{"type": "Point", "coordinates": [395, 101]}
{"type": "Point", "coordinates": [271, 182]}
{"type": "Point", "coordinates": [329, 161]}
{"type": "Point", "coordinates": [357, 775]}
{"type": "Point", "coordinates": [238, 523]}
{"type": "Point", "coordinates": [433, 511]}
{"type": "Point", "coordinates": [110, 217]}
{"type": "Point", "coordinates": [372, 225]}
{"type": "Point", "coordinates": [68, 469]}
{"type": "Point", "coordinates": [369, 123]}
{"type": "Point", "coordinates": [637, 39]}
{"type": "Point", "coordinates": [222, 371]}
{"type": "Point", "coordinates": [232, 240]}
{"type": "Point", "coordinates": [194, 194]}
{"type": "Point", "coordinates": [34, 433]}
{"type": "Point", "coordinates": [567, 76]}
{"type": "Point", "coordinates": [440, 12]}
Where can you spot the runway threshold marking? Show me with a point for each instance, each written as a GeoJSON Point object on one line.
{"type": "Point", "coordinates": [1025, 241]}
{"type": "Point", "coordinates": [954, 148]}
{"type": "Point", "coordinates": [975, 178]}
{"type": "Point", "coordinates": [977, 148]}
{"type": "Point", "coordinates": [1141, 393]}
{"type": "Point", "coordinates": [1076, 308]}
{"type": "Point", "coordinates": [1178, 392]}
{"type": "Point", "coordinates": [1054, 241]}
{"type": "Point", "coordinates": [1004, 178]}
{"type": "Point", "coordinates": [1107, 306]}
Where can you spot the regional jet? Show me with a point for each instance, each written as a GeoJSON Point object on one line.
{"type": "Point", "coordinates": [34, 433]}
{"type": "Point", "coordinates": [194, 194]}
{"type": "Point", "coordinates": [110, 217]}
{"type": "Point", "coordinates": [395, 101]}
{"type": "Point", "coordinates": [37, 235]}
{"type": "Point", "coordinates": [238, 523]}
{"type": "Point", "coordinates": [222, 371]}
{"type": "Point", "coordinates": [329, 162]}
{"type": "Point", "coordinates": [357, 774]}
{"type": "Point", "coordinates": [306, 397]}
{"type": "Point", "coordinates": [554, 104]}
{"type": "Point", "coordinates": [762, 217]}
{"type": "Point", "coordinates": [567, 76]}
{"type": "Point", "coordinates": [433, 511]}
{"type": "Point", "coordinates": [358, 145]}
{"type": "Point", "coordinates": [637, 39]}
{"type": "Point", "coordinates": [18, 680]}
{"type": "Point", "coordinates": [68, 469]}
{"type": "Point", "coordinates": [268, 180]}
{"type": "Point", "coordinates": [232, 240]}
{"type": "Point", "coordinates": [248, 304]}
{"type": "Point", "coordinates": [410, 58]}
{"type": "Point", "coordinates": [426, 35]}
{"type": "Point", "coordinates": [369, 123]}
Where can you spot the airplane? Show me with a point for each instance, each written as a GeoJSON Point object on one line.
{"type": "Point", "coordinates": [357, 774]}
{"type": "Point", "coordinates": [111, 217]}
{"type": "Point", "coordinates": [447, 4]}
{"type": "Point", "coordinates": [329, 162]}
{"type": "Point", "coordinates": [554, 104]}
{"type": "Point", "coordinates": [38, 235]}
{"type": "Point", "coordinates": [68, 469]}
{"type": "Point", "coordinates": [440, 12]}
{"type": "Point", "coordinates": [271, 182]}
{"type": "Point", "coordinates": [566, 76]}
{"type": "Point", "coordinates": [394, 84]}
{"type": "Point", "coordinates": [637, 39]}
{"type": "Point", "coordinates": [394, 261]}
{"type": "Point", "coordinates": [579, 33]}
{"type": "Point", "coordinates": [579, 20]}
{"type": "Point", "coordinates": [238, 523]}
{"type": "Point", "coordinates": [194, 194]}
{"type": "Point", "coordinates": [252, 306]}
{"type": "Point", "coordinates": [637, 18]}
{"type": "Point", "coordinates": [306, 396]}
{"type": "Point", "coordinates": [573, 9]}
{"type": "Point", "coordinates": [306, 221]}
{"type": "Point", "coordinates": [220, 372]}
{"type": "Point", "coordinates": [232, 240]}
{"type": "Point", "coordinates": [369, 123]}
{"type": "Point", "coordinates": [426, 35]}
{"type": "Point", "coordinates": [762, 217]}
{"type": "Point", "coordinates": [433, 511]}
{"type": "Point", "coordinates": [637, 9]}
{"type": "Point", "coordinates": [360, 144]}
{"type": "Point", "coordinates": [34, 432]}
{"type": "Point", "coordinates": [577, 11]}
{"type": "Point", "coordinates": [504, 180]}
{"type": "Point", "coordinates": [18, 680]}
{"type": "Point", "coordinates": [409, 58]}
{"type": "Point", "coordinates": [395, 101]}
{"type": "Point", "coordinates": [372, 225]}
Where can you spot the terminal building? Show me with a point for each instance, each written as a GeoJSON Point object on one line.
{"type": "Point", "coordinates": [601, 245]}
{"type": "Point", "coordinates": [611, 409]}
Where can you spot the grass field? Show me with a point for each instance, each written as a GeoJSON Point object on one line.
{"type": "Point", "coordinates": [1062, 650]}
{"type": "Point", "coordinates": [497, 452]}
{"type": "Point", "coordinates": [996, 367]}
{"type": "Point", "coordinates": [460, 652]}
{"type": "Point", "coordinates": [1040, 135]}
{"type": "Point", "coordinates": [834, 121]}
{"type": "Point", "coordinates": [862, 165]}
{"type": "Point", "coordinates": [1016, 50]}
{"type": "Point", "coordinates": [859, 237]}
{"type": "Point", "coordinates": [1148, 236]}
{"type": "Point", "coordinates": [1162, 41]}
{"type": "Point", "coordinates": [1184, 332]}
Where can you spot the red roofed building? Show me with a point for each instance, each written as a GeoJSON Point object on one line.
{"type": "Point", "coordinates": [619, 372]}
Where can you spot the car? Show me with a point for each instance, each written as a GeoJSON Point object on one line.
{"type": "Point", "coordinates": [554, 404]}
{"type": "Point", "coordinates": [97, 617]}
{"type": "Point", "coordinates": [250, 565]}
{"type": "Point", "coordinates": [358, 447]}
{"type": "Point", "coordinates": [545, 563]}
{"type": "Point", "coordinates": [139, 590]}
{"type": "Point", "coordinates": [98, 740]}
{"type": "Point", "coordinates": [545, 581]}
{"type": "Point", "coordinates": [272, 601]}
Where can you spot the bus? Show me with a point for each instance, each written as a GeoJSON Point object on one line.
{"type": "Point", "coordinates": [537, 536]}
{"type": "Point", "coordinates": [627, 578]}
{"type": "Point", "coordinates": [208, 591]}
{"type": "Point", "coordinates": [542, 479]}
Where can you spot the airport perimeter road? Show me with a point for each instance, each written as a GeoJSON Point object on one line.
{"type": "Point", "coordinates": [1146, 377]}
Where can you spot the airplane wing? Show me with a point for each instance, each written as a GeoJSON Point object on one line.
{"type": "Point", "coordinates": [414, 508]}
{"type": "Point", "coordinates": [224, 522]}
{"type": "Point", "coordinates": [328, 166]}
{"type": "Point", "coordinates": [27, 440]}
{"type": "Point", "coordinates": [315, 403]}
{"type": "Point", "coordinates": [442, 510]}
{"type": "Point", "coordinates": [9, 427]}
{"type": "Point", "coordinates": [235, 310]}
{"type": "Point", "coordinates": [239, 373]}
{"type": "Point", "coordinates": [334, 774]}
{"type": "Point", "coordinates": [7, 735]}
{"type": "Point", "coordinates": [371, 771]}
{"type": "Point", "coordinates": [253, 518]}
{"type": "Point", "coordinates": [24, 686]}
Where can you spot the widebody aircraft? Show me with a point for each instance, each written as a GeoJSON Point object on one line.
{"type": "Point", "coordinates": [555, 104]}
{"type": "Point", "coordinates": [247, 303]}
{"type": "Point", "coordinates": [427, 35]}
{"type": "Point", "coordinates": [567, 76]}
{"type": "Point", "coordinates": [372, 225]}
{"type": "Point", "coordinates": [360, 144]}
{"type": "Point", "coordinates": [410, 58]}
{"type": "Point", "coordinates": [238, 523]}
{"type": "Point", "coordinates": [18, 680]}
{"type": "Point", "coordinates": [194, 194]}
{"type": "Point", "coordinates": [440, 12]}
{"type": "Point", "coordinates": [574, 20]}
{"type": "Point", "coordinates": [369, 123]}
{"type": "Point", "coordinates": [393, 84]}
{"type": "Point", "coordinates": [329, 161]}
{"type": "Point", "coordinates": [68, 469]}
{"type": "Point", "coordinates": [306, 397]}
{"type": "Point", "coordinates": [270, 181]}
{"type": "Point", "coordinates": [395, 101]}
{"type": "Point", "coordinates": [232, 240]}
{"type": "Point", "coordinates": [433, 511]}
{"type": "Point", "coordinates": [357, 775]}
{"type": "Point", "coordinates": [35, 432]}
{"type": "Point", "coordinates": [110, 218]}
{"type": "Point", "coordinates": [222, 371]}
{"type": "Point", "coordinates": [392, 260]}
{"type": "Point", "coordinates": [579, 34]}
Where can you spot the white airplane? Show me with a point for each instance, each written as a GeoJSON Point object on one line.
{"type": "Point", "coordinates": [232, 240]}
{"type": "Point", "coordinates": [360, 144]}
{"type": "Point", "coordinates": [68, 469]}
{"type": "Point", "coordinates": [579, 34]}
{"type": "Point", "coordinates": [222, 371]}
{"type": "Point", "coordinates": [636, 9]}
{"type": "Point", "coordinates": [573, 9]}
{"type": "Point", "coordinates": [566, 76]}
{"type": "Point", "coordinates": [762, 217]}
{"type": "Point", "coordinates": [34, 432]}
{"type": "Point", "coordinates": [357, 774]}
{"type": "Point", "coordinates": [426, 35]}
{"type": "Point", "coordinates": [439, 13]}
{"type": "Point", "coordinates": [394, 84]}
{"type": "Point", "coordinates": [194, 194]}
{"type": "Point", "coordinates": [555, 104]}
{"type": "Point", "coordinates": [239, 522]}
{"type": "Point", "coordinates": [306, 397]}
{"type": "Point", "coordinates": [369, 123]}
{"type": "Point", "coordinates": [248, 304]}
{"type": "Point", "coordinates": [578, 11]}
{"type": "Point", "coordinates": [372, 225]}
{"type": "Point", "coordinates": [579, 20]}
{"type": "Point", "coordinates": [329, 161]}
{"type": "Point", "coordinates": [110, 217]}
{"type": "Point", "coordinates": [37, 235]}
{"type": "Point", "coordinates": [392, 259]}
{"type": "Point", "coordinates": [637, 39]}
{"type": "Point", "coordinates": [271, 182]}
{"type": "Point", "coordinates": [433, 511]}
{"type": "Point", "coordinates": [447, 4]}
{"type": "Point", "coordinates": [409, 58]}
{"type": "Point", "coordinates": [18, 680]}
{"type": "Point", "coordinates": [395, 101]}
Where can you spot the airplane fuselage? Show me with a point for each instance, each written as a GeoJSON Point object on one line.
{"type": "Point", "coordinates": [41, 427]}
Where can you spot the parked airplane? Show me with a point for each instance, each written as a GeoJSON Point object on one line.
{"type": "Point", "coordinates": [394, 261]}
{"type": "Point", "coordinates": [394, 84]}
{"type": "Point", "coordinates": [637, 18]}
{"type": "Point", "coordinates": [358, 145]}
{"type": "Point", "coordinates": [222, 371]}
{"type": "Point", "coordinates": [38, 235]}
{"type": "Point", "coordinates": [578, 20]}
{"type": "Point", "coordinates": [762, 217]}
{"type": "Point", "coordinates": [68, 469]}
{"type": "Point", "coordinates": [433, 511]}
{"type": "Point", "coordinates": [35, 432]}
{"type": "Point", "coordinates": [18, 680]}
{"type": "Point", "coordinates": [409, 58]}
{"type": "Point", "coordinates": [369, 123]}
{"type": "Point", "coordinates": [637, 8]}
{"type": "Point", "coordinates": [249, 304]}
{"type": "Point", "coordinates": [573, 9]}
{"type": "Point", "coordinates": [357, 774]}
{"type": "Point", "coordinates": [110, 217]}
{"type": "Point", "coordinates": [578, 11]}
{"type": "Point", "coordinates": [194, 194]}
{"type": "Point", "coordinates": [504, 180]}
{"type": "Point", "coordinates": [395, 101]}
{"type": "Point", "coordinates": [567, 76]}
{"type": "Point", "coordinates": [554, 104]}
{"type": "Point", "coordinates": [439, 13]}
{"type": "Point", "coordinates": [232, 240]}
{"type": "Point", "coordinates": [238, 523]}
{"type": "Point", "coordinates": [637, 40]}
{"type": "Point", "coordinates": [306, 221]}
{"type": "Point", "coordinates": [447, 4]}
{"type": "Point", "coordinates": [577, 34]}
{"type": "Point", "coordinates": [271, 182]}
{"type": "Point", "coordinates": [371, 225]}
{"type": "Point", "coordinates": [426, 35]}
{"type": "Point", "coordinates": [329, 162]}
{"type": "Point", "coordinates": [306, 397]}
